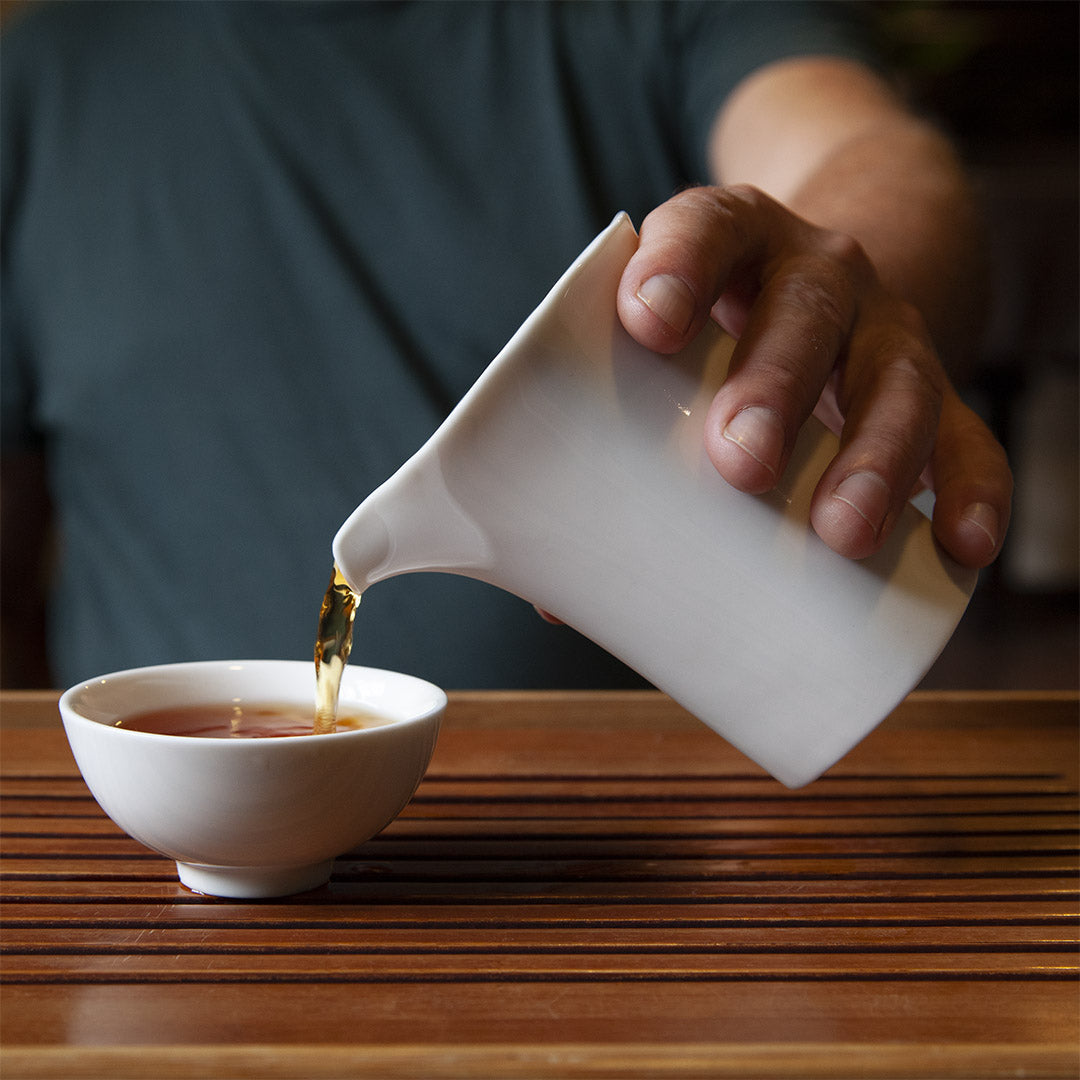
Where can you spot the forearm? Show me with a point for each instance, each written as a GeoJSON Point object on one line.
{"type": "Point", "coordinates": [873, 172]}
{"type": "Point", "coordinates": [903, 196]}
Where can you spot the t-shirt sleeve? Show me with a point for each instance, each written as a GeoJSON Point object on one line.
{"type": "Point", "coordinates": [720, 44]}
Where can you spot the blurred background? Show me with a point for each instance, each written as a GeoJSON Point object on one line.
{"type": "Point", "coordinates": [1001, 77]}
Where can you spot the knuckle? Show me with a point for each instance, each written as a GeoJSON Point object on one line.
{"type": "Point", "coordinates": [907, 371]}
{"type": "Point", "coordinates": [908, 411]}
{"type": "Point", "coordinates": [897, 355]}
{"type": "Point", "coordinates": [907, 444]}
{"type": "Point", "coordinates": [741, 209]}
{"type": "Point", "coordinates": [824, 282]}
{"type": "Point", "coordinates": [729, 211]}
{"type": "Point", "coordinates": [911, 367]}
{"type": "Point", "coordinates": [846, 253]}
{"type": "Point", "coordinates": [813, 292]}
{"type": "Point", "coordinates": [736, 197]}
{"type": "Point", "coordinates": [793, 386]}
{"type": "Point", "coordinates": [699, 220]}
{"type": "Point", "coordinates": [910, 319]}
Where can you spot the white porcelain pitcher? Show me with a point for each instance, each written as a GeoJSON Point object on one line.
{"type": "Point", "coordinates": [573, 474]}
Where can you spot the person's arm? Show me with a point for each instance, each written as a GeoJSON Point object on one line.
{"type": "Point", "coordinates": [834, 144]}
{"type": "Point", "coordinates": [842, 250]}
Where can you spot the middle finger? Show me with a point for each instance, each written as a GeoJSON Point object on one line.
{"type": "Point", "coordinates": [796, 329]}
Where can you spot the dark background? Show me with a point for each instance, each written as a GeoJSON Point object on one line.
{"type": "Point", "coordinates": [1001, 78]}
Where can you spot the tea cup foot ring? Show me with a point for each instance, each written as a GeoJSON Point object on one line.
{"type": "Point", "coordinates": [253, 882]}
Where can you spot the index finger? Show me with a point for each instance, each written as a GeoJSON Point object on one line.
{"type": "Point", "coordinates": [690, 247]}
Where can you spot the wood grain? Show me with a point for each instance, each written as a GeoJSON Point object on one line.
{"type": "Point", "coordinates": [585, 885]}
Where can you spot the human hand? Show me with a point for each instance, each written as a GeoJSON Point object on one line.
{"type": "Point", "coordinates": [816, 329]}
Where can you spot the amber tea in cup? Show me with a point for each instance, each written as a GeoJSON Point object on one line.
{"type": "Point", "coordinates": [226, 720]}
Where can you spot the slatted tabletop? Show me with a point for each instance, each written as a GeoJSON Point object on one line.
{"type": "Point", "coordinates": [584, 885]}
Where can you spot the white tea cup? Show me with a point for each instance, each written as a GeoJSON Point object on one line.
{"type": "Point", "coordinates": [251, 817]}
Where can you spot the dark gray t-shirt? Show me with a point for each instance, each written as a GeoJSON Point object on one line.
{"type": "Point", "coordinates": [253, 254]}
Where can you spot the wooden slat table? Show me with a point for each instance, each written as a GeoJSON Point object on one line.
{"type": "Point", "coordinates": [585, 885]}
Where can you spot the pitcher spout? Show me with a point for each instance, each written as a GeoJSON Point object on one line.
{"type": "Point", "coordinates": [362, 547]}
{"type": "Point", "coordinates": [410, 523]}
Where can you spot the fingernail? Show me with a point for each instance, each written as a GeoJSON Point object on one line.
{"type": "Point", "coordinates": [759, 431]}
{"type": "Point", "coordinates": [669, 299]}
{"type": "Point", "coordinates": [985, 518]}
{"type": "Point", "coordinates": [868, 495]}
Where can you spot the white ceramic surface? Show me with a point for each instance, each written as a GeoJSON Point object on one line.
{"type": "Point", "coordinates": [251, 817]}
{"type": "Point", "coordinates": [574, 475]}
